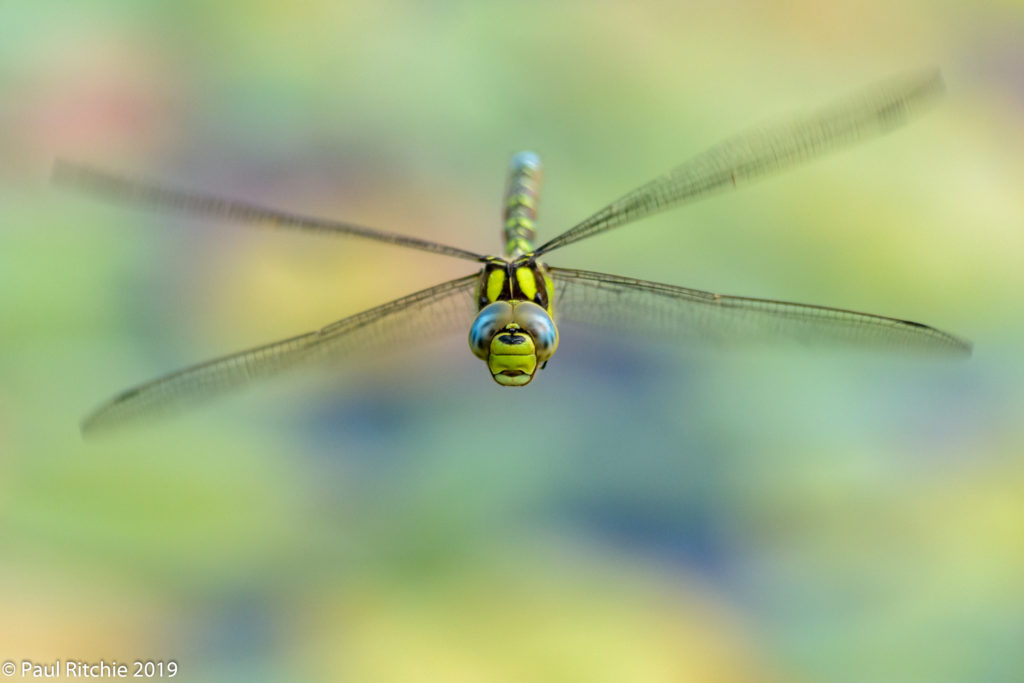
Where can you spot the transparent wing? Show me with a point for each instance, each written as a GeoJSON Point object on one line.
{"type": "Point", "coordinates": [694, 316]}
{"type": "Point", "coordinates": [765, 150]}
{"type": "Point", "coordinates": [442, 308]}
{"type": "Point", "coordinates": [124, 190]}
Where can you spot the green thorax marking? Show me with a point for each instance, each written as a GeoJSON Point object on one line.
{"type": "Point", "coordinates": [523, 279]}
{"type": "Point", "coordinates": [521, 196]}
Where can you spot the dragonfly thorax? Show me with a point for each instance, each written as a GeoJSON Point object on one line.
{"type": "Point", "coordinates": [521, 279]}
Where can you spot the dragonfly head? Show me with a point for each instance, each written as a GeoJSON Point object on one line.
{"type": "Point", "coordinates": [515, 338]}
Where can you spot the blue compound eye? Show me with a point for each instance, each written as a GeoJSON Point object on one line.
{"type": "Point", "coordinates": [490, 319]}
{"type": "Point", "coordinates": [536, 321]}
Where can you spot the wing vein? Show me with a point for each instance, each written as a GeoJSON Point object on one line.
{"type": "Point", "coordinates": [765, 150]}
{"type": "Point", "coordinates": [429, 311]}
{"type": "Point", "coordinates": [117, 188]}
{"type": "Point", "coordinates": [696, 316]}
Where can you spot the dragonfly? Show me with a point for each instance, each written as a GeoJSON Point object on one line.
{"type": "Point", "coordinates": [510, 304]}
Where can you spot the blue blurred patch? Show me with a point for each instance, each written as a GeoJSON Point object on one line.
{"type": "Point", "coordinates": [690, 538]}
{"type": "Point", "coordinates": [240, 634]}
{"type": "Point", "coordinates": [373, 425]}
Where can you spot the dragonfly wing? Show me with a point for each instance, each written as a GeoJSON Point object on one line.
{"type": "Point", "coordinates": [698, 317]}
{"type": "Point", "coordinates": [439, 309]}
{"type": "Point", "coordinates": [142, 193]}
{"type": "Point", "coordinates": [762, 151]}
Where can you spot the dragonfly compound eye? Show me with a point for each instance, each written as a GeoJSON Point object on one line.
{"type": "Point", "coordinates": [536, 321]}
{"type": "Point", "coordinates": [492, 318]}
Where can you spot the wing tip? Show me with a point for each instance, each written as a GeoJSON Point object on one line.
{"type": "Point", "coordinates": [64, 172]}
{"type": "Point", "coordinates": [962, 348]}
{"type": "Point", "coordinates": [95, 423]}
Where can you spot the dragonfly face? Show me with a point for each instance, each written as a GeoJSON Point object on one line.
{"type": "Point", "coordinates": [514, 332]}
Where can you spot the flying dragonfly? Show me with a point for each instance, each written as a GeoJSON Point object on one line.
{"type": "Point", "coordinates": [510, 305]}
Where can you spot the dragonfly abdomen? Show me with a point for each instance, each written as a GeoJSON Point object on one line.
{"type": "Point", "coordinates": [521, 196]}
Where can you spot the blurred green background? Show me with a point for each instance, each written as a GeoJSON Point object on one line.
{"type": "Point", "coordinates": [638, 513]}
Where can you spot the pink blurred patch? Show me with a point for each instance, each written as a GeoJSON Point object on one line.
{"type": "Point", "coordinates": [108, 101]}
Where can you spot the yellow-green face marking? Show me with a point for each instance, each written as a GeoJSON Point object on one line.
{"type": "Point", "coordinates": [514, 331]}
{"type": "Point", "coordinates": [513, 357]}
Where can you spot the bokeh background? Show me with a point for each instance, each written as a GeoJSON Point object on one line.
{"type": "Point", "coordinates": [639, 513]}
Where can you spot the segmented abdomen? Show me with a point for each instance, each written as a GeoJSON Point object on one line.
{"type": "Point", "coordinates": [521, 198]}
